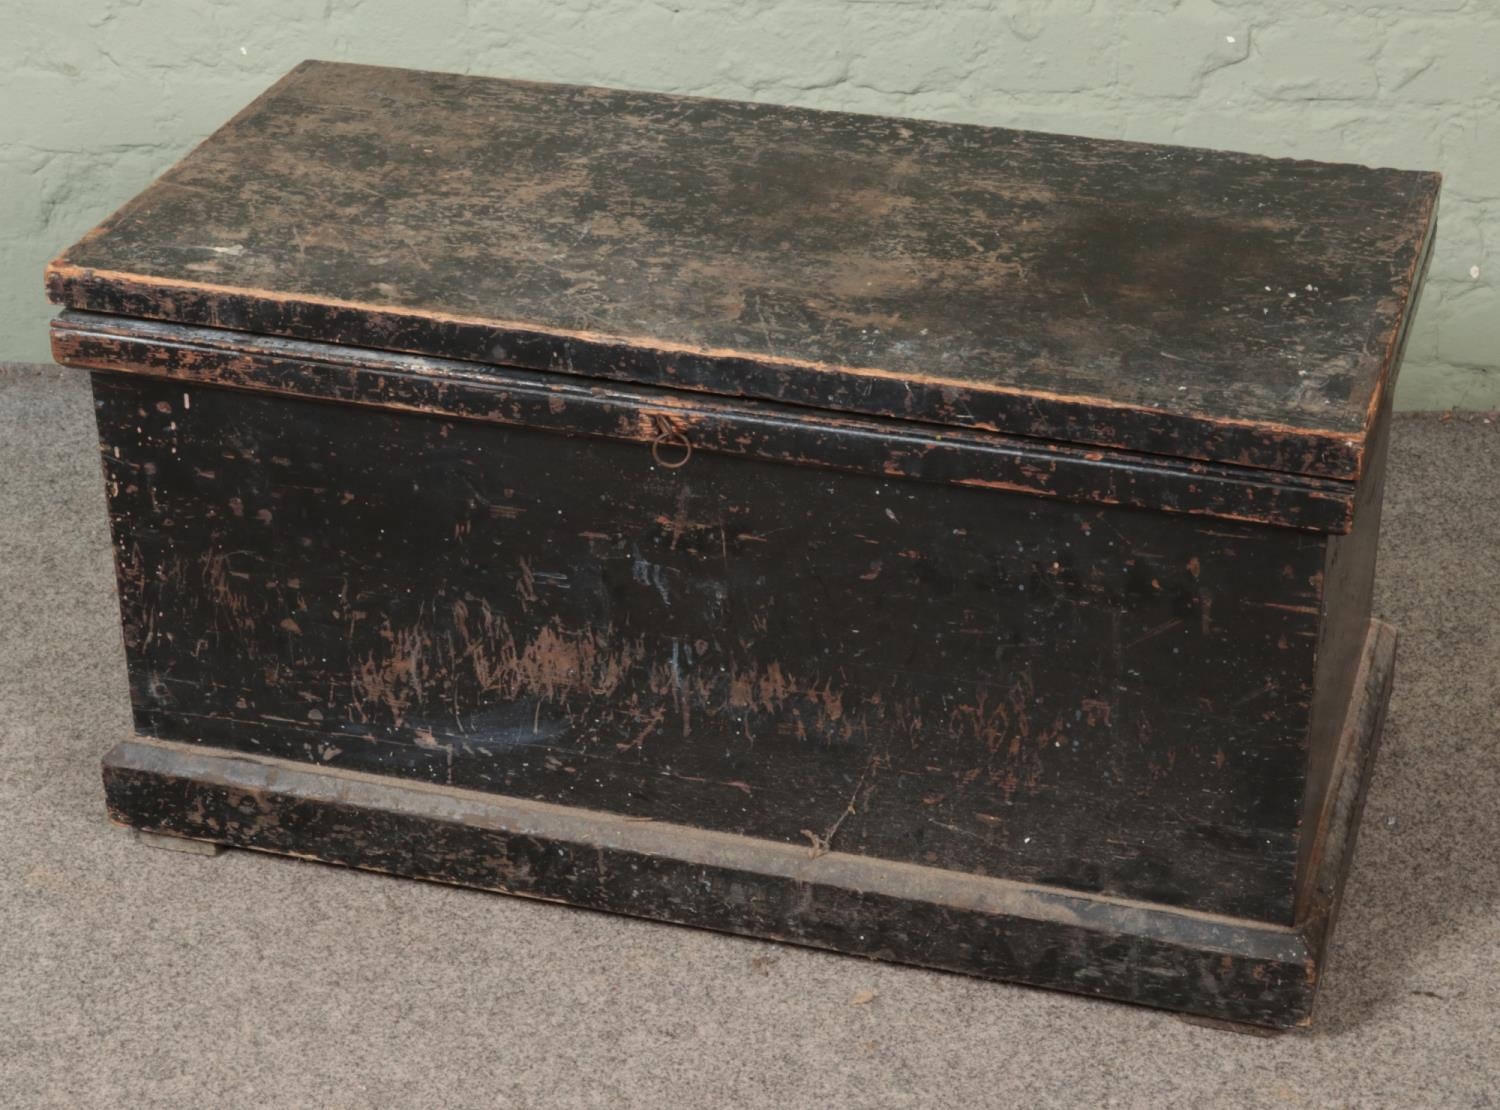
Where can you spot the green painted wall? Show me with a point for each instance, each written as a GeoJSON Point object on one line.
{"type": "Point", "coordinates": [98, 96]}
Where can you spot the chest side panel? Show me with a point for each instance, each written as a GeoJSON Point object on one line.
{"type": "Point", "coordinates": [1105, 699]}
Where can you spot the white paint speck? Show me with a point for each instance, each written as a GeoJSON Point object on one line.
{"type": "Point", "coordinates": [1268, 289]}
{"type": "Point", "coordinates": [1229, 39]}
{"type": "Point", "coordinates": [1027, 840]}
{"type": "Point", "coordinates": [1292, 295]}
{"type": "Point", "coordinates": [1474, 272]}
{"type": "Point", "coordinates": [243, 50]}
{"type": "Point", "coordinates": [187, 402]}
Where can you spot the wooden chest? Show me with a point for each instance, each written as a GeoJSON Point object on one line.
{"type": "Point", "coordinates": [931, 542]}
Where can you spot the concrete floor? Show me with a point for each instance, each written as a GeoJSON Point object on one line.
{"type": "Point", "coordinates": [132, 976]}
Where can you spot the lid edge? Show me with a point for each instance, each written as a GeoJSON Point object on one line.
{"type": "Point", "coordinates": [1078, 419]}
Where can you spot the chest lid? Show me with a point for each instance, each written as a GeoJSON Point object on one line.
{"type": "Point", "coordinates": [1173, 301]}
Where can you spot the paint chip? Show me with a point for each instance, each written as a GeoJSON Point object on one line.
{"type": "Point", "coordinates": [1229, 39]}
{"type": "Point", "coordinates": [1474, 272]}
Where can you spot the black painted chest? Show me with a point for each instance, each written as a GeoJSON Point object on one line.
{"type": "Point", "coordinates": [934, 542]}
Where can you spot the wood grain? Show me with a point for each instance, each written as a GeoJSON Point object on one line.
{"type": "Point", "coordinates": [1236, 970]}
{"type": "Point", "coordinates": [1108, 699]}
{"type": "Point", "coordinates": [1167, 300]}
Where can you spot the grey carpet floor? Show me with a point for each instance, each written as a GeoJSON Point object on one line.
{"type": "Point", "coordinates": [132, 976]}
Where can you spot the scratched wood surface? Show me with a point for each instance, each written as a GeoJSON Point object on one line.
{"type": "Point", "coordinates": [1105, 699]}
{"type": "Point", "coordinates": [1166, 300]}
{"type": "Point", "coordinates": [676, 427]}
{"type": "Point", "coordinates": [1239, 970]}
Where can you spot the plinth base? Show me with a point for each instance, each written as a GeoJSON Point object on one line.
{"type": "Point", "coordinates": [1219, 967]}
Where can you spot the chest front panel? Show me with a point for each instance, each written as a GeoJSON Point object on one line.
{"type": "Point", "coordinates": [1105, 699]}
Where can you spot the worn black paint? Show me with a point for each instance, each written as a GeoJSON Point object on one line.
{"type": "Point", "coordinates": [1226, 968]}
{"type": "Point", "coordinates": [1105, 699]}
{"type": "Point", "coordinates": [782, 499]}
{"type": "Point", "coordinates": [1162, 299]}
{"type": "Point", "coordinates": [782, 433]}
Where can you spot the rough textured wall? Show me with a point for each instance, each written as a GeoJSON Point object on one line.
{"type": "Point", "coordinates": [97, 97]}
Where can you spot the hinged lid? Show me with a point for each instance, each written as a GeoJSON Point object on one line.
{"type": "Point", "coordinates": [1166, 300]}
